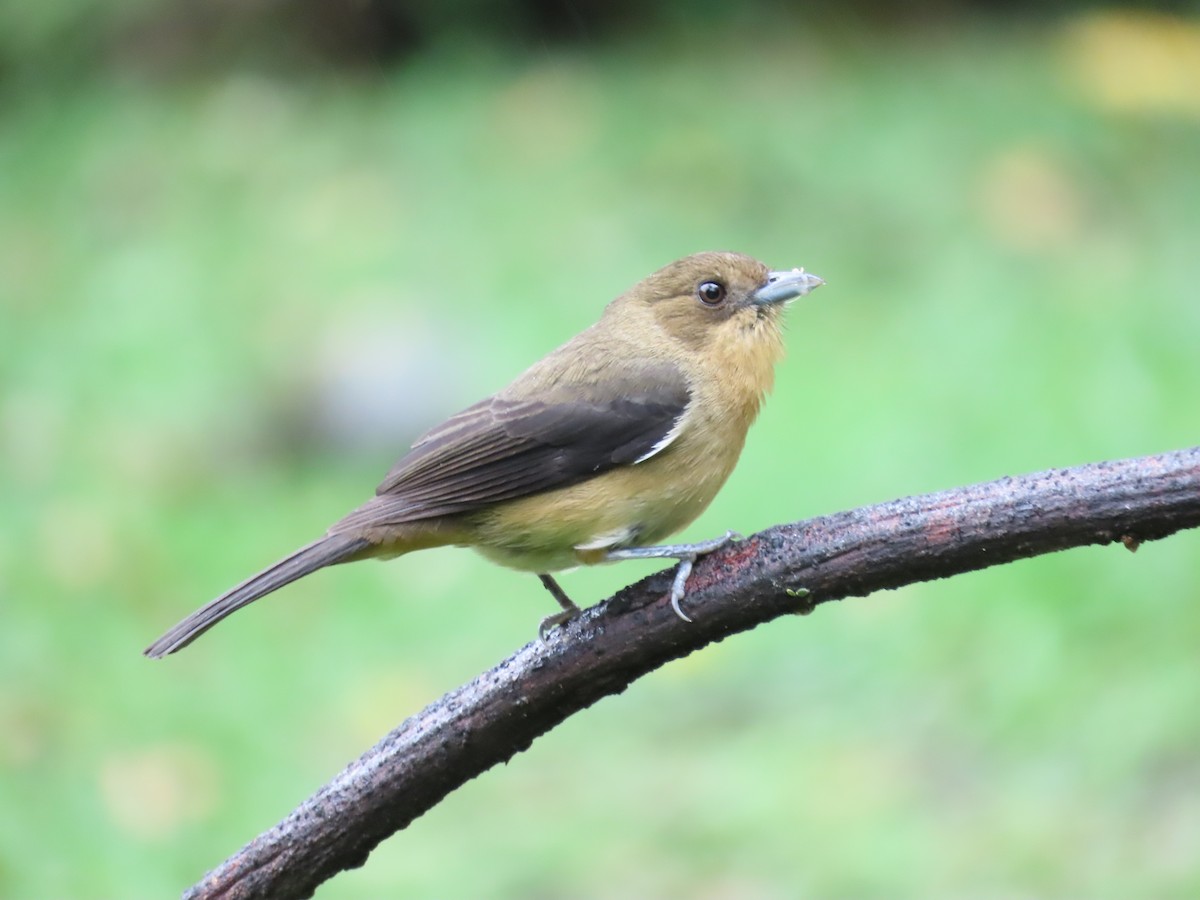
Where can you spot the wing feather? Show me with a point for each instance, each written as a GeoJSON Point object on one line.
{"type": "Point", "coordinates": [503, 448]}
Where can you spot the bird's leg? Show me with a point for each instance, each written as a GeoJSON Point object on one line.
{"type": "Point", "coordinates": [687, 554]}
{"type": "Point", "coordinates": [569, 609]}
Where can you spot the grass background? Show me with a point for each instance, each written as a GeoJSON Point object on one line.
{"type": "Point", "coordinates": [229, 300]}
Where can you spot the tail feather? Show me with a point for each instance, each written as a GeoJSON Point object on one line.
{"type": "Point", "coordinates": [330, 549]}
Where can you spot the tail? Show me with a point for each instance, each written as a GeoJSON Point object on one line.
{"type": "Point", "coordinates": [332, 548]}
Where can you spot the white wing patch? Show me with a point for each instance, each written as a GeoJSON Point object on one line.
{"type": "Point", "coordinates": [667, 440]}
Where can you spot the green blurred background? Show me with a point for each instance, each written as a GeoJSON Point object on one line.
{"type": "Point", "coordinates": [247, 252]}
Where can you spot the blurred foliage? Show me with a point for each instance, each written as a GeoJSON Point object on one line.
{"type": "Point", "coordinates": [228, 299]}
{"type": "Point", "coordinates": [60, 39]}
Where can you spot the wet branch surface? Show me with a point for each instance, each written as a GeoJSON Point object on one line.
{"type": "Point", "coordinates": [783, 570]}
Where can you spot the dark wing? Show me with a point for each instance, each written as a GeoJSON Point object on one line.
{"type": "Point", "coordinates": [503, 448]}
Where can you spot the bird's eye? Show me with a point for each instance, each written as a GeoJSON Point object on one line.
{"type": "Point", "coordinates": [711, 292]}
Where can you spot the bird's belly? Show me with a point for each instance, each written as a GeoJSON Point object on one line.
{"type": "Point", "coordinates": [631, 506]}
{"type": "Point", "coordinates": [529, 559]}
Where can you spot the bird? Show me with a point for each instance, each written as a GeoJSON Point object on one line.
{"type": "Point", "coordinates": [608, 445]}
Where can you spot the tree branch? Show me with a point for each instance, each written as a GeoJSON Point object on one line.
{"type": "Point", "coordinates": [786, 569]}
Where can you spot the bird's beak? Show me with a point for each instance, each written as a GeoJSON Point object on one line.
{"type": "Point", "coordinates": [786, 285]}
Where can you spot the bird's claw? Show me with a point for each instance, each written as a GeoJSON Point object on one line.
{"type": "Point", "coordinates": [569, 609]}
{"type": "Point", "coordinates": [679, 585]}
{"type": "Point", "coordinates": [549, 623]}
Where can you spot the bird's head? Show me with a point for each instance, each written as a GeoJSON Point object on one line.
{"type": "Point", "coordinates": [715, 302]}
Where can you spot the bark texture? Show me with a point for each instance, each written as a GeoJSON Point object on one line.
{"type": "Point", "coordinates": [785, 569]}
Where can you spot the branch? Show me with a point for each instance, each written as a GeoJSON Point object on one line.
{"type": "Point", "coordinates": [785, 569]}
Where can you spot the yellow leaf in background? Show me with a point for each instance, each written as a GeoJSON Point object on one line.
{"type": "Point", "coordinates": [1139, 62]}
{"type": "Point", "coordinates": [1029, 200]}
{"type": "Point", "coordinates": [152, 792]}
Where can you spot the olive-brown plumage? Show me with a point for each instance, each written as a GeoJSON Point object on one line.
{"type": "Point", "coordinates": [611, 443]}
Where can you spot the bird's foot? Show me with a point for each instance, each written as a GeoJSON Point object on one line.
{"type": "Point", "coordinates": [687, 554]}
{"type": "Point", "coordinates": [569, 609]}
{"type": "Point", "coordinates": [549, 623]}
